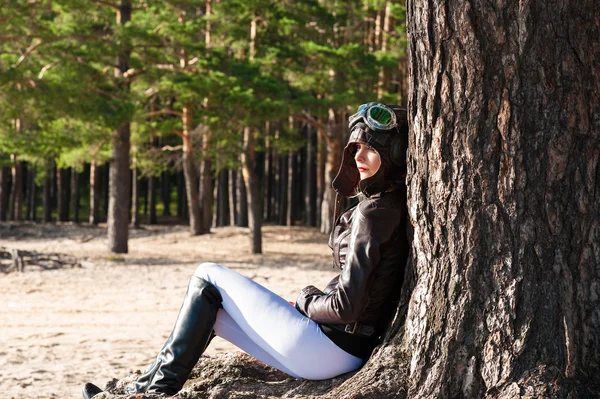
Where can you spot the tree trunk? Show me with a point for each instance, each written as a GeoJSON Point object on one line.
{"type": "Point", "coordinates": [242, 203]}
{"type": "Point", "coordinates": [190, 172]}
{"type": "Point", "coordinates": [62, 181]}
{"type": "Point", "coordinates": [30, 195]}
{"type": "Point", "coordinates": [268, 193]}
{"type": "Point", "coordinates": [223, 198]}
{"type": "Point", "coordinates": [16, 192]}
{"type": "Point", "coordinates": [181, 196]}
{"type": "Point", "coordinates": [165, 192]}
{"type": "Point", "coordinates": [503, 199]}
{"type": "Point", "coordinates": [283, 189]}
{"type": "Point", "coordinates": [135, 195]}
{"type": "Point", "coordinates": [232, 203]}
{"type": "Point", "coordinates": [75, 194]}
{"type": "Point", "coordinates": [252, 191]}
{"type": "Point", "coordinates": [94, 193]}
{"type": "Point", "coordinates": [291, 208]}
{"type": "Point", "coordinates": [310, 191]}
{"type": "Point", "coordinates": [333, 140]}
{"type": "Point", "coordinates": [119, 183]}
{"type": "Point", "coordinates": [151, 193]}
{"type": "Point", "coordinates": [47, 201]}
{"type": "Point", "coordinates": [207, 189]}
{"type": "Point", "coordinates": [4, 191]}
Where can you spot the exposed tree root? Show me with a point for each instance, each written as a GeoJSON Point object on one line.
{"type": "Point", "coordinates": [15, 260]}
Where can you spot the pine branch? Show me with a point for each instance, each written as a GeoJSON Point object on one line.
{"type": "Point", "coordinates": [107, 3]}
{"type": "Point", "coordinates": [164, 112]}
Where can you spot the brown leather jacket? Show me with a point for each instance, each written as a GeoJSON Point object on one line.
{"type": "Point", "coordinates": [370, 246]}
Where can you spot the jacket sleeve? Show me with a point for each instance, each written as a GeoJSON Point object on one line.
{"type": "Point", "coordinates": [371, 229]}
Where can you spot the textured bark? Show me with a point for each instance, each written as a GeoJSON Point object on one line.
{"type": "Point", "coordinates": [190, 173]}
{"type": "Point", "coordinates": [242, 203]}
{"type": "Point", "coordinates": [151, 193]}
{"type": "Point", "coordinates": [75, 195]}
{"type": "Point", "coordinates": [30, 195]}
{"type": "Point", "coordinates": [119, 178]}
{"type": "Point", "coordinates": [47, 200]}
{"type": "Point", "coordinates": [62, 181]}
{"type": "Point", "coordinates": [232, 200]}
{"type": "Point", "coordinates": [333, 139]}
{"type": "Point", "coordinates": [206, 191]}
{"type": "Point", "coordinates": [4, 190]}
{"type": "Point", "coordinates": [135, 196]}
{"type": "Point", "coordinates": [16, 191]}
{"type": "Point", "coordinates": [165, 192]}
{"type": "Point", "coordinates": [252, 192]}
{"type": "Point", "coordinates": [94, 193]}
{"type": "Point", "coordinates": [504, 197]}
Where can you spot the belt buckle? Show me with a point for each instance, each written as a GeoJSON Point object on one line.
{"type": "Point", "coordinates": [351, 328]}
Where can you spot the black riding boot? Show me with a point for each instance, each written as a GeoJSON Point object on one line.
{"type": "Point", "coordinates": [191, 335]}
{"type": "Point", "coordinates": [192, 332]}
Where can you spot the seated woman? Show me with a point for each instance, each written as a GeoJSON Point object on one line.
{"type": "Point", "coordinates": [329, 332]}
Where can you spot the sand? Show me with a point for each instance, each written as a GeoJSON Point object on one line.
{"type": "Point", "coordinates": [108, 318]}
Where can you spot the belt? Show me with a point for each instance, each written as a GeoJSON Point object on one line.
{"type": "Point", "coordinates": [359, 329]}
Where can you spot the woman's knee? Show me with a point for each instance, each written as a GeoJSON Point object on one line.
{"type": "Point", "coordinates": [205, 269]}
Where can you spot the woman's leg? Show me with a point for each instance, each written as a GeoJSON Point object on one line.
{"type": "Point", "coordinates": [294, 341]}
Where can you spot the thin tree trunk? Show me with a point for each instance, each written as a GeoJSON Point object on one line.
{"type": "Point", "coordinates": [291, 209]}
{"type": "Point", "coordinates": [207, 189]}
{"type": "Point", "coordinates": [334, 151]}
{"type": "Point", "coordinates": [310, 195]}
{"type": "Point", "coordinates": [48, 205]}
{"type": "Point", "coordinates": [181, 196]}
{"type": "Point", "coordinates": [16, 193]}
{"type": "Point", "coordinates": [165, 192]}
{"type": "Point", "coordinates": [267, 207]}
{"type": "Point", "coordinates": [222, 198]}
{"type": "Point", "coordinates": [252, 190]}
{"type": "Point", "coordinates": [94, 193]}
{"type": "Point", "coordinates": [31, 195]}
{"type": "Point", "coordinates": [382, 44]}
{"type": "Point", "coordinates": [4, 191]}
{"type": "Point", "coordinates": [135, 195]}
{"type": "Point", "coordinates": [151, 193]}
{"type": "Point", "coordinates": [190, 171]}
{"type": "Point", "coordinates": [283, 189]}
{"type": "Point", "coordinates": [75, 194]}
{"type": "Point", "coordinates": [119, 186]}
{"type": "Point", "coordinates": [242, 203]}
{"type": "Point", "coordinates": [233, 181]}
{"type": "Point", "coordinates": [62, 179]}
{"type": "Point", "coordinates": [321, 157]}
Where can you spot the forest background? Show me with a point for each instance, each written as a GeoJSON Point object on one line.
{"type": "Point", "coordinates": [211, 112]}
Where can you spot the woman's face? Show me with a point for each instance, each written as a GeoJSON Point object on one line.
{"type": "Point", "coordinates": [367, 160]}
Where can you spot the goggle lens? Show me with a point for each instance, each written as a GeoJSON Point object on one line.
{"type": "Point", "coordinates": [376, 115]}
{"type": "Point", "coordinates": [381, 115]}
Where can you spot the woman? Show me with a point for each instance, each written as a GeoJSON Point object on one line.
{"type": "Point", "coordinates": [329, 332]}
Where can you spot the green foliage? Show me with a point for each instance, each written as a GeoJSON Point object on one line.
{"type": "Point", "coordinates": [57, 73]}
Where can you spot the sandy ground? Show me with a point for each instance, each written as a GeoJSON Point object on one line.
{"type": "Point", "coordinates": [61, 328]}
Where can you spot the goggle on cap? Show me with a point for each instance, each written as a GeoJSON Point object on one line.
{"type": "Point", "coordinates": [391, 144]}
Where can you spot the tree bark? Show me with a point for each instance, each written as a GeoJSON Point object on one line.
{"type": "Point", "coordinates": [30, 195]}
{"type": "Point", "coordinates": [75, 194]}
{"type": "Point", "coordinates": [135, 195]}
{"type": "Point", "coordinates": [190, 173]}
{"type": "Point", "coordinates": [504, 199]}
{"type": "Point", "coordinates": [333, 139]}
{"type": "Point", "coordinates": [252, 191]}
{"type": "Point", "coordinates": [119, 184]}
{"type": "Point", "coordinates": [4, 191]}
{"type": "Point", "coordinates": [310, 191]}
{"type": "Point", "coordinates": [16, 192]}
{"type": "Point", "coordinates": [94, 192]}
{"type": "Point", "coordinates": [62, 179]}
{"type": "Point", "coordinates": [207, 189]}
{"type": "Point", "coordinates": [232, 203]}
{"type": "Point", "coordinates": [151, 193]}
{"type": "Point", "coordinates": [242, 203]}
{"type": "Point", "coordinates": [181, 196]}
{"type": "Point", "coordinates": [47, 202]}
{"type": "Point", "coordinates": [165, 192]}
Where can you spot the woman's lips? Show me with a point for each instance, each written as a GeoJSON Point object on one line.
{"type": "Point", "coordinates": [361, 169]}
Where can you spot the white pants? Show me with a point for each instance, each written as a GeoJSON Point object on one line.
{"type": "Point", "coordinates": [269, 328]}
